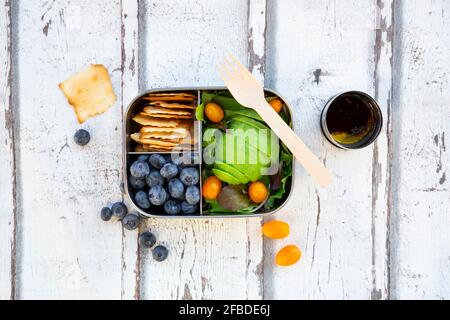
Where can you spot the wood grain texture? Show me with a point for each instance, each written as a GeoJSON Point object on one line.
{"type": "Point", "coordinates": [382, 151]}
{"type": "Point", "coordinates": [421, 255]}
{"type": "Point", "coordinates": [7, 160]}
{"type": "Point", "coordinates": [210, 259]}
{"type": "Point", "coordinates": [65, 250]}
{"type": "Point", "coordinates": [317, 50]}
{"type": "Point", "coordinates": [130, 88]}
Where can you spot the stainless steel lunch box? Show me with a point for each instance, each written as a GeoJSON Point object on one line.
{"type": "Point", "coordinates": [128, 153]}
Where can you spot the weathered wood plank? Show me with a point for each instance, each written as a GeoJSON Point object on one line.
{"type": "Point", "coordinates": [382, 148]}
{"type": "Point", "coordinates": [210, 259]}
{"type": "Point", "coordinates": [130, 89]}
{"type": "Point", "coordinates": [420, 223]}
{"type": "Point", "coordinates": [65, 250]}
{"type": "Point", "coordinates": [7, 160]}
{"type": "Point", "coordinates": [316, 50]}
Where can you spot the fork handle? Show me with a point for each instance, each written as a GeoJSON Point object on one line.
{"type": "Point", "coordinates": [302, 153]}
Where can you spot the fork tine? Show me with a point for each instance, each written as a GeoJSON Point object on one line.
{"type": "Point", "coordinates": [224, 73]}
{"type": "Point", "coordinates": [229, 65]}
{"type": "Point", "coordinates": [239, 66]}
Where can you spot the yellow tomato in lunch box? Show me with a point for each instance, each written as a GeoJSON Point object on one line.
{"type": "Point", "coordinates": [275, 229]}
{"type": "Point", "coordinates": [258, 192]}
{"type": "Point", "coordinates": [288, 256]}
{"type": "Point", "coordinates": [276, 104]}
{"type": "Point", "coordinates": [211, 188]}
{"type": "Point", "coordinates": [214, 112]}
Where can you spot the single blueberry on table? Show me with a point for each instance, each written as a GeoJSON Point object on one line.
{"type": "Point", "coordinates": [172, 207]}
{"type": "Point", "coordinates": [176, 188]}
{"type": "Point", "coordinates": [144, 157]}
{"type": "Point", "coordinates": [188, 208]}
{"type": "Point", "coordinates": [157, 195]}
{"type": "Point", "coordinates": [82, 137]}
{"type": "Point", "coordinates": [136, 184]}
{"type": "Point", "coordinates": [139, 169]}
{"type": "Point", "coordinates": [141, 199]}
{"type": "Point", "coordinates": [160, 253]}
{"type": "Point", "coordinates": [169, 171]}
{"type": "Point", "coordinates": [157, 161]}
{"type": "Point", "coordinates": [131, 221]}
{"type": "Point", "coordinates": [106, 214]}
{"type": "Point", "coordinates": [119, 210]}
{"type": "Point", "coordinates": [190, 176]}
{"type": "Point", "coordinates": [147, 240]}
{"type": "Point", "coordinates": [193, 195]}
{"type": "Point", "coordinates": [154, 179]}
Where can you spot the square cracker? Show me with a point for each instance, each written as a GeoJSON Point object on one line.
{"type": "Point", "coordinates": [154, 142]}
{"type": "Point", "coordinates": [147, 120]}
{"type": "Point", "coordinates": [159, 110]}
{"type": "Point", "coordinates": [89, 92]}
{"type": "Point", "coordinates": [166, 105]}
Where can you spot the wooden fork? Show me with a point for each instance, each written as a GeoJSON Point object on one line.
{"type": "Point", "coordinates": [247, 90]}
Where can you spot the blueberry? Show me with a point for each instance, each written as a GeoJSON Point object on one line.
{"type": "Point", "coordinates": [154, 179]}
{"type": "Point", "coordinates": [139, 169]}
{"type": "Point", "coordinates": [147, 239]}
{"type": "Point", "coordinates": [157, 161]}
{"type": "Point", "coordinates": [82, 137]}
{"type": "Point", "coordinates": [188, 208]}
{"type": "Point", "coordinates": [141, 199]}
{"type": "Point", "coordinates": [169, 171]}
{"type": "Point", "coordinates": [136, 184]}
{"type": "Point", "coordinates": [106, 214]}
{"type": "Point", "coordinates": [176, 188]}
{"type": "Point", "coordinates": [190, 176]}
{"type": "Point", "coordinates": [131, 221]}
{"type": "Point", "coordinates": [193, 195]}
{"type": "Point", "coordinates": [157, 195]}
{"type": "Point", "coordinates": [119, 210]}
{"type": "Point", "coordinates": [144, 157]}
{"type": "Point", "coordinates": [160, 253]}
{"type": "Point", "coordinates": [185, 159]}
{"type": "Point", "coordinates": [172, 207]}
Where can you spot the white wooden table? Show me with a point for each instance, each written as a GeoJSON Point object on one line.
{"type": "Point", "coordinates": [380, 231]}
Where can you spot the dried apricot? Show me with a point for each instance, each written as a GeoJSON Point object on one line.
{"type": "Point", "coordinates": [288, 256]}
{"type": "Point", "coordinates": [276, 104]}
{"type": "Point", "coordinates": [275, 229]}
{"type": "Point", "coordinates": [211, 188]}
{"type": "Point", "coordinates": [258, 192]}
{"type": "Point", "coordinates": [214, 112]}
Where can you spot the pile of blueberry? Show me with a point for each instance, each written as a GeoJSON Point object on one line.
{"type": "Point", "coordinates": [165, 185]}
{"type": "Point", "coordinates": [130, 221]}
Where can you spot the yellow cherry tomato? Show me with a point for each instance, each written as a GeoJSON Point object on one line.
{"type": "Point", "coordinates": [214, 112]}
{"type": "Point", "coordinates": [288, 256]}
{"type": "Point", "coordinates": [276, 104]}
{"type": "Point", "coordinates": [275, 229]}
{"type": "Point", "coordinates": [211, 188]}
{"type": "Point", "coordinates": [258, 192]}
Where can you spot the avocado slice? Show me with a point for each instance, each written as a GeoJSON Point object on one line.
{"type": "Point", "coordinates": [252, 171]}
{"type": "Point", "coordinates": [233, 171]}
{"type": "Point", "coordinates": [225, 177]}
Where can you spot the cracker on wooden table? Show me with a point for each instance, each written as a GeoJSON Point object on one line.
{"type": "Point", "coordinates": [89, 92]}
{"type": "Point", "coordinates": [147, 120]}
